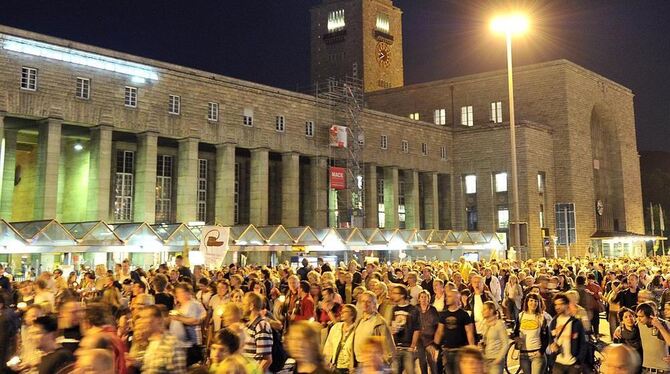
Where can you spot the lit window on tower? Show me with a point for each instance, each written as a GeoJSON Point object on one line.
{"type": "Point", "coordinates": [383, 23]}
{"type": "Point", "coordinates": [336, 20]}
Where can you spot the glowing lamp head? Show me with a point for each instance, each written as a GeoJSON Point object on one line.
{"type": "Point", "coordinates": [510, 24]}
{"type": "Point", "coordinates": [78, 147]}
{"type": "Point", "coordinates": [281, 298]}
{"type": "Point", "coordinates": [22, 306]}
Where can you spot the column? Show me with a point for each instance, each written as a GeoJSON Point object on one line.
{"type": "Point", "coordinates": [48, 161]}
{"type": "Point", "coordinates": [391, 197]}
{"type": "Point", "coordinates": [290, 190]}
{"type": "Point", "coordinates": [317, 194]}
{"type": "Point", "coordinates": [431, 201]}
{"type": "Point", "coordinates": [412, 218]}
{"type": "Point", "coordinates": [224, 204]}
{"type": "Point", "coordinates": [8, 175]}
{"type": "Point", "coordinates": [144, 201]}
{"type": "Point", "coordinates": [371, 209]}
{"type": "Point", "coordinates": [259, 189]}
{"type": "Point", "coordinates": [187, 180]}
{"type": "Point", "coordinates": [99, 173]}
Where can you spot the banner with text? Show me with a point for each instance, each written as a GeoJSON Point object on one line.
{"type": "Point", "coordinates": [214, 244]}
{"type": "Point", "coordinates": [338, 178]}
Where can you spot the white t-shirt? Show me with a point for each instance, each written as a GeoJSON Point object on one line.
{"type": "Point", "coordinates": [564, 341]}
{"type": "Point", "coordinates": [414, 294]}
{"type": "Point", "coordinates": [478, 312]}
{"type": "Point", "coordinates": [192, 309]}
{"type": "Point", "coordinates": [530, 327]}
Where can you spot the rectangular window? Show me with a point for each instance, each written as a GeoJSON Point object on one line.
{"type": "Point", "coordinates": [174, 106]}
{"type": "Point", "coordinates": [130, 98]}
{"type": "Point", "coordinates": [401, 205]}
{"type": "Point", "coordinates": [248, 117]}
{"type": "Point", "coordinates": [470, 184]}
{"type": "Point", "coordinates": [336, 20]}
{"type": "Point", "coordinates": [501, 182]}
{"type": "Point", "coordinates": [414, 116]}
{"type": "Point", "coordinates": [83, 88]}
{"type": "Point", "coordinates": [541, 182]}
{"type": "Point", "coordinates": [163, 188]}
{"type": "Point", "coordinates": [565, 223]}
{"type": "Point", "coordinates": [237, 193]}
{"type": "Point", "coordinates": [542, 215]}
{"type": "Point", "coordinates": [123, 186]}
{"type": "Point", "coordinates": [384, 142]}
{"type": "Point", "coordinates": [213, 111]}
{"type": "Point", "coordinates": [361, 140]}
{"type": "Point", "coordinates": [309, 128]}
{"type": "Point", "coordinates": [472, 218]}
{"type": "Point", "coordinates": [466, 116]}
{"type": "Point", "coordinates": [424, 149]}
{"type": "Point", "coordinates": [383, 23]}
{"type": "Point", "coordinates": [440, 117]}
{"type": "Point", "coordinates": [404, 145]}
{"type": "Point", "coordinates": [503, 218]}
{"type": "Point", "coordinates": [28, 78]}
{"type": "Point", "coordinates": [443, 153]}
{"type": "Point", "coordinates": [381, 215]}
{"type": "Point", "coordinates": [280, 123]}
{"type": "Point", "coordinates": [496, 112]}
{"type": "Point", "coordinates": [202, 190]}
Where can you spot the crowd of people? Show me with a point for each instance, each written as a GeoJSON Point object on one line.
{"type": "Point", "coordinates": [428, 317]}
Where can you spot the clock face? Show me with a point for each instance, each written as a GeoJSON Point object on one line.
{"type": "Point", "coordinates": [383, 54]}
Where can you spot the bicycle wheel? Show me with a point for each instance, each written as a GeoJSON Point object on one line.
{"type": "Point", "coordinates": [512, 365]}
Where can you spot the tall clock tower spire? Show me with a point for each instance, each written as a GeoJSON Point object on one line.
{"type": "Point", "coordinates": [361, 38]}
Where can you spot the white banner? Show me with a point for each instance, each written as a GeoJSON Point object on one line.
{"type": "Point", "coordinates": [214, 244]}
{"type": "Point", "coordinates": [338, 136]}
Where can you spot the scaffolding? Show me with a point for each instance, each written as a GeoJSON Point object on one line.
{"type": "Point", "coordinates": [343, 101]}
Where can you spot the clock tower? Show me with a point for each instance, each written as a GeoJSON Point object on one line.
{"type": "Point", "coordinates": [359, 38]}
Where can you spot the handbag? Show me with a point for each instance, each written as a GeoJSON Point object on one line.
{"type": "Point", "coordinates": [553, 355]}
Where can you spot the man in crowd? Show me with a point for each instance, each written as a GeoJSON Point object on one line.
{"type": "Point", "coordinates": [406, 328]}
{"type": "Point", "coordinates": [567, 339]}
{"type": "Point", "coordinates": [304, 310]}
{"type": "Point", "coordinates": [164, 354]}
{"type": "Point", "coordinates": [455, 329]}
{"type": "Point", "coordinates": [55, 357]}
{"type": "Point", "coordinates": [627, 296]}
{"type": "Point", "coordinates": [186, 320]}
{"type": "Point", "coordinates": [371, 324]}
{"type": "Point", "coordinates": [258, 342]}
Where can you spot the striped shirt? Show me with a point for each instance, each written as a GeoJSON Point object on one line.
{"type": "Point", "coordinates": [259, 339]}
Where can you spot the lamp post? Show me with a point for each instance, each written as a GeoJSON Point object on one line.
{"type": "Point", "coordinates": [510, 25]}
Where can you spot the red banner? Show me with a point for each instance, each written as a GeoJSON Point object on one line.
{"type": "Point", "coordinates": [338, 178]}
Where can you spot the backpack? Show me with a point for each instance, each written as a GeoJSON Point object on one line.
{"type": "Point", "coordinates": [279, 355]}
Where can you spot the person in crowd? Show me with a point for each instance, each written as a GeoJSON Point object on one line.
{"type": "Point", "coordinates": [619, 359]}
{"type": "Point", "coordinates": [531, 335]}
{"type": "Point", "coordinates": [227, 345]}
{"type": "Point", "coordinates": [494, 339]}
{"type": "Point", "coordinates": [405, 326]}
{"type": "Point", "coordinates": [95, 361]}
{"type": "Point", "coordinates": [455, 329]}
{"type": "Point", "coordinates": [428, 320]}
{"type": "Point", "coordinates": [159, 284]}
{"type": "Point", "coordinates": [164, 354]}
{"type": "Point", "coordinates": [477, 299]}
{"type": "Point", "coordinates": [371, 323]}
{"type": "Point", "coordinates": [5, 282]}
{"type": "Point", "coordinates": [439, 295]}
{"type": "Point", "coordinates": [185, 323]}
{"type": "Point", "coordinates": [304, 307]}
{"type": "Point", "coordinates": [98, 323]}
{"type": "Point", "coordinates": [469, 360]}
{"type": "Point", "coordinates": [328, 310]}
{"type": "Point", "coordinates": [493, 285]}
{"type": "Point", "coordinates": [513, 296]}
{"type": "Point", "coordinates": [627, 332]}
{"type": "Point", "coordinates": [54, 356]}
{"type": "Point", "coordinates": [373, 353]}
{"type": "Point", "coordinates": [183, 270]}
{"type": "Point", "coordinates": [338, 348]}
{"type": "Point", "coordinates": [44, 296]}
{"type": "Point", "coordinates": [567, 338]}
{"type": "Point", "coordinates": [413, 288]}
{"type": "Point", "coordinates": [626, 293]}
{"type": "Point", "coordinates": [385, 305]}
{"type": "Point", "coordinates": [303, 344]}
{"type": "Point", "coordinates": [304, 270]}
{"type": "Point", "coordinates": [613, 307]}
{"type": "Point", "coordinates": [70, 316]}
{"type": "Point", "coordinates": [427, 280]}
{"type": "Point", "coordinates": [258, 344]}
{"type": "Point", "coordinates": [654, 336]}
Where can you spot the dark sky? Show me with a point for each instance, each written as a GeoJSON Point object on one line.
{"type": "Point", "coordinates": [267, 41]}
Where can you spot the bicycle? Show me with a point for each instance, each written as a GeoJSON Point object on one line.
{"type": "Point", "coordinates": [512, 364]}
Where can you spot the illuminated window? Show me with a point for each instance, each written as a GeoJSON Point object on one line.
{"type": "Point", "coordinates": [213, 112]}
{"type": "Point", "coordinates": [202, 190]}
{"type": "Point", "coordinates": [174, 106]}
{"type": "Point", "coordinates": [123, 186]}
{"type": "Point", "coordinates": [424, 149]}
{"type": "Point", "coordinates": [309, 128]}
{"type": "Point", "coordinates": [28, 79]}
{"type": "Point", "coordinates": [336, 20]}
{"type": "Point", "coordinates": [383, 23]}
{"type": "Point", "coordinates": [381, 215]}
{"type": "Point", "coordinates": [501, 182]}
{"type": "Point", "coordinates": [163, 188]}
{"type": "Point", "coordinates": [440, 117]}
{"type": "Point", "coordinates": [83, 88]}
{"type": "Point", "coordinates": [404, 146]}
{"type": "Point", "coordinates": [503, 218]}
{"type": "Point", "coordinates": [466, 116]}
{"type": "Point", "coordinates": [443, 153]}
{"type": "Point", "coordinates": [414, 116]}
{"type": "Point", "coordinates": [130, 98]}
{"type": "Point", "coordinates": [470, 184]}
{"type": "Point", "coordinates": [566, 230]}
{"type": "Point", "coordinates": [496, 112]}
{"type": "Point", "coordinates": [384, 142]}
{"type": "Point", "coordinates": [280, 124]}
{"type": "Point", "coordinates": [541, 182]}
{"type": "Point", "coordinates": [248, 117]}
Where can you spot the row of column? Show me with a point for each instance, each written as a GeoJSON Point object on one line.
{"type": "Point", "coordinates": [314, 198]}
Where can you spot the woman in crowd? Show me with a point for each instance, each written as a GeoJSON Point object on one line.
{"type": "Point", "coordinates": [513, 297]}
{"type": "Point", "coordinates": [494, 339]}
{"type": "Point", "coordinates": [531, 335]}
{"type": "Point", "coordinates": [338, 349]}
{"type": "Point", "coordinates": [303, 344]}
{"type": "Point", "coordinates": [628, 333]}
{"type": "Point", "coordinates": [428, 320]}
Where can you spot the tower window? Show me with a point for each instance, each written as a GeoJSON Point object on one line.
{"type": "Point", "coordinates": [384, 142]}
{"type": "Point", "coordinates": [309, 128]}
{"type": "Point", "coordinates": [501, 182]}
{"type": "Point", "coordinates": [280, 123]}
{"type": "Point", "coordinates": [440, 116]}
{"type": "Point", "coordinates": [404, 146]}
{"type": "Point", "coordinates": [28, 79]}
{"type": "Point", "coordinates": [466, 116]}
{"type": "Point", "coordinates": [470, 184]}
{"type": "Point", "coordinates": [174, 105]}
{"type": "Point", "coordinates": [424, 149]}
{"type": "Point", "coordinates": [414, 116]}
{"type": "Point", "coordinates": [496, 112]}
{"type": "Point", "coordinates": [443, 153]}
{"type": "Point", "coordinates": [212, 111]}
{"type": "Point", "coordinates": [336, 20]}
{"type": "Point", "coordinates": [130, 97]}
{"type": "Point", "coordinates": [383, 23]}
{"type": "Point", "coordinates": [83, 88]}
{"type": "Point", "coordinates": [248, 117]}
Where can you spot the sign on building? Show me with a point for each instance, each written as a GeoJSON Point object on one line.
{"type": "Point", "coordinates": [338, 178]}
{"type": "Point", "coordinates": [338, 136]}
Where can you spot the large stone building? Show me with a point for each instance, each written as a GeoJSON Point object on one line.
{"type": "Point", "coordinates": [93, 134]}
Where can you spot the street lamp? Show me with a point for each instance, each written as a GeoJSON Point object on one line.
{"type": "Point", "coordinates": [512, 24]}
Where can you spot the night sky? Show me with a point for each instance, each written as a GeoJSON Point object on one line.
{"type": "Point", "coordinates": [267, 41]}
